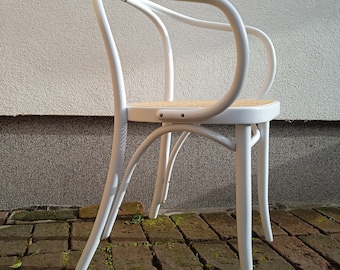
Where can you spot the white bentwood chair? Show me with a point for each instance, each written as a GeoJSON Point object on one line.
{"type": "Point", "coordinates": [250, 117]}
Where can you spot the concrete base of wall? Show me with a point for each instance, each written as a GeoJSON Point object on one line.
{"type": "Point", "coordinates": [55, 160]}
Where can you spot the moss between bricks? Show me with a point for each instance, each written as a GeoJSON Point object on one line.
{"type": "Point", "coordinates": [161, 221]}
{"type": "Point", "coordinates": [66, 256]}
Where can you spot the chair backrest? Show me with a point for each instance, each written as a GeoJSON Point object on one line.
{"type": "Point", "coordinates": [235, 25]}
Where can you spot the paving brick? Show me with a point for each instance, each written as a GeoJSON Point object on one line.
{"type": "Point", "coordinates": [15, 231]}
{"type": "Point", "coordinates": [325, 245]}
{"type": "Point", "coordinates": [336, 236]}
{"type": "Point", "coordinates": [292, 224]}
{"type": "Point", "coordinates": [298, 254]}
{"type": "Point", "coordinates": [316, 219]}
{"type": "Point", "coordinates": [88, 211]}
{"type": "Point", "coordinates": [161, 229]}
{"type": "Point", "coordinates": [3, 217]}
{"type": "Point", "coordinates": [51, 231]}
{"type": "Point", "coordinates": [81, 230]}
{"type": "Point", "coordinates": [194, 227]}
{"type": "Point", "coordinates": [52, 261]}
{"type": "Point", "coordinates": [267, 258]}
{"type": "Point", "coordinates": [126, 210]}
{"type": "Point", "coordinates": [176, 256]}
{"type": "Point", "coordinates": [100, 261]}
{"type": "Point", "coordinates": [132, 257]}
{"type": "Point", "coordinates": [20, 216]}
{"type": "Point", "coordinates": [216, 255]}
{"type": "Point", "coordinates": [124, 232]}
{"type": "Point", "coordinates": [332, 212]}
{"type": "Point", "coordinates": [11, 247]}
{"type": "Point", "coordinates": [222, 223]}
{"type": "Point", "coordinates": [77, 245]}
{"type": "Point", "coordinates": [48, 246]}
{"type": "Point", "coordinates": [6, 262]}
{"type": "Point", "coordinates": [264, 257]}
{"type": "Point", "coordinates": [257, 226]}
{"type": "Point", "coordinates": [129, 209]}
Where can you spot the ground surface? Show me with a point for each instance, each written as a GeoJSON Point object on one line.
{"type": "Point", "coordinates": [52, 238]}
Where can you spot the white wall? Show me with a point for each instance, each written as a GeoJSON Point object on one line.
{"type": "Point", "coordinates": [52, 61]}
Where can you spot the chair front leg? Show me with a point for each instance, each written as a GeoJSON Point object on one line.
{"type": "Point", "coordinates": [110, 190]}
{"type": "Point", "coordinates": [243, 196]}
{"type": "Point", "coordinates": [262, 182]}
{"type": "Point", "coordinates": [99, 224]}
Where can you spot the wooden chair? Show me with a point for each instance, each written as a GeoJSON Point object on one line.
{"type": "Point", "coordinates": [251, 118]}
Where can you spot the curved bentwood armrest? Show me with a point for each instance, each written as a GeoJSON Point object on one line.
{"type": "Point", "coordinates": [271, 56]}
{"type": "Point", "coordinates": [270, 50]}
{"type": "Point", "coordinates": [242, 51]}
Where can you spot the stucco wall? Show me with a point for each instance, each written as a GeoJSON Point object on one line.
{"type": "Point", "coordinates": [64, 160]}
{"type": "Point", "coordinates": [53, 61]}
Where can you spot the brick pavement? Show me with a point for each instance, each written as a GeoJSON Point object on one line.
{"type": "Point", "coordinates": [52, 238]}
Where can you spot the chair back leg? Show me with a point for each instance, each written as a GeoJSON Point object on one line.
{"type": "Point", "coordinates": [160, 180]}
{"type": "Point", "coordinates": [262, 179]}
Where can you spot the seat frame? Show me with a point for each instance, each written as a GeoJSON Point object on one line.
{"type": "Point", "coordinates": [251, 127]}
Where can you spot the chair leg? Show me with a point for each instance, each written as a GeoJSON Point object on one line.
{"type": "Point", "coordinates": [168, 170]}
{"type": "Point", "coordinates": [263, 164]}
{"type": "Point", "coordinates": [163, 160]}
{"type": "Point", "coordinates": [99, 224]}
{"type": "Point", "coordinates": [243, 195]}
{"type": "Point", "coordinates": [110, 190]}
